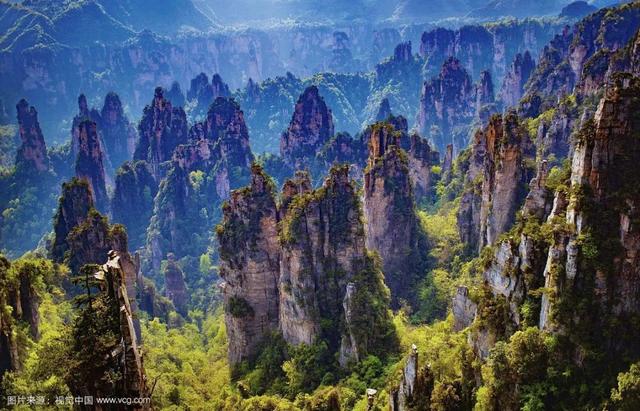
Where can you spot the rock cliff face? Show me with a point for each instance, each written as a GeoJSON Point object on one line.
{"type": "Point", "coordinates": [132, 202]}
{"type": "Point", "coordinates": [202, 93]}
{"type": "Point", "coordinates": [421, 158]}
{"type": "Point", "coordinates": [226, 126]}
{"type": "Point", "coordinates": [89, 242]}
{"type": "Point", "coordinates": [604, 175]}
{"type": "Point", "coordinates": [416, 385]}
{"type": "Point", "coordinates": [554, 132]}
{"type": "Point", "coordinates": [200, 176]}
{"type": "Point", "coordinates": [117, 133]}
{"type": "Point", "coordinates": [174, 286]}
{"type": "Point", "coordinates": [326, 271]}
{"type": "Point", "coordinates": [447, 102]}
{"type": "Point", "coordinates": [90, 163]}
{"type": "Point", "coordinates": [310, 128]}
{"type": "Point", "coordinates": [117, 279]}
{"type": "Point", "coordinates": [481, 48]}
{"type": "Point", "coordinates": [250, 266]}
{"type": "Point", "coordinates": [588, 260]}
{"type": "Point", "coordinates": [32, 154]}
{"type": "Point", "coordinates": [175, 95]}
{"type": "Point", "coordinates": [312, 272]}
{"type": "Point", "coordinates": [74, 205]}
{"type": "Point", "coordinates": [495, 182]}
{"type": "Point", "coordinates": [117, 137]}
{"type": "Point", "coordinates": [161, 129]}
{"type": "Point", "coordinates": [392, 226]}
{"type": "Point", "coordinates": [516, 78]}
{"type": "Point", "coordinates": [84, 113]}
{"type": "Point", "coordinates": [580, 58]}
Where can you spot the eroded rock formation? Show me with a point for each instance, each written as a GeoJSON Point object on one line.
{"type": "Point", "coordinates": [496, 181]}
{"type": "Point", "coordinates": [392, 225]}
{"type": "Point", "coordinates": [19, 302]}
{"type": "Point", "coordinates": [161, 129]}
{"type": "Point", "coordinates": [200, 176]}
{"type": "Point", "coordinates": [310, 128]}
{"type": "Point", "coordinates": [446, 102]}
{"type": "Point", "coordinates": [250, 266]}
{"type": "Point", "coordinates": [73, 208]}
{"type": "Point", "coordinates": [174, 286]}
{"type": "Point", "coordinates": [115, 278]}
{"type": "Point", "coordinates": [312, 270]}
{"type": "Point", "coordinates": [203, 93]}
{"type": "Point", "coordinates": [604, 175]}
{"type": "Point", "coordinates": [515, 79]}
{"type": "Point", "coordinates": [90, 163]}
{"type": "Point", "coordinates": [118, 135]}
{"type": "Point", "coordinates": [32, 154]}
{"type": "Point", "coordinates": [132, 202]}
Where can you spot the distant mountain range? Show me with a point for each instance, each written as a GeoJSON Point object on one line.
{"type": "Point", "coordinates": [171, 16]}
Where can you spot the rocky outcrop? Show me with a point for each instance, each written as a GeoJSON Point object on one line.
{"type": "Point", "coordinates": [485, 104]}
{"type": "Point", "coordinates": [506, 175]}
{"type": "Point", "coordinates": [416, 385]}
{"type": "Point", "coordinates": [604, 173]}
{"type": "Point", "coordinates": [115, 279]}
{"type": "Point", "coordinates": [295, 269]}
{"type": "Point", "coordinates": [174, 286]}
{"type": "Point", "coordinates": [447, 162]}
{"type": "Point", "coordinates": [446, 102]}
{"type": "Point", "coordinates": [84, 113]}
{"type": "Point", "coordinates": [384, 110]}
{"type": "Point", "coordinates": [343, 148]}
{"type": "Point", "coordinates": [310, 128]}
{"type": "Point", "coordinates": [19, 302]}
{"type": "Point", "coordinates": [250, 266]}
{"type": "Point", "coordinates": [392, 225]}
{"type": "Point", "coordinates": [463, 309]}
{"type": "Point", "coordinates": [421, 159]}
{"type": "Point", "coordinates": [580, 59]}
{"type": "Point", "coordinates": [200, 176]}
{"type": "Point", "coordinates": [515, 79]}
{"type": "Point", "coordinates": [89, 242]}
{"type": "Point", "coordinates": [539, 200]}
{"type": "Point", "coordinates": [32, 154]}
{"type": "Point", "coordinates": [73, 208]}
{"type": "Point", "coordinates": [161, 129]}
{"type": "Point", "coordinates": [555, 128]}
{"type": "Point", "coordinates": [116, 132]}
{"type": "Point", "coordinates": [491, 47]}
{"type": "Point", "coordinates": [132, 202]}
{"type": "Point", "coordinates": [202, 93]}
{"type": "Point", "coordinates": [484, 89]}
{"type": "Point", "coordinates": [226, 126]}
{"type": "Point", "coordinates": [326, 271]}
{"type": "Point", "coordinates": [496, 181]}
{"type": "Point", "coordinates": [90, 163]}
{"type": "Point", "coordinates": [175, 95]}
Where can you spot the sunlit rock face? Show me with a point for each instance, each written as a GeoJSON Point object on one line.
{"type": "Point", "coordinates": [389, 208]}
{"type": "Point", "coordinates": [250, 266]}
{"type": "Point", "coordinates": [497, 179]}
{"type": "Point", "coordinates": [515, 79]}
{"type": "Point", "coordinates": [295, 267]}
